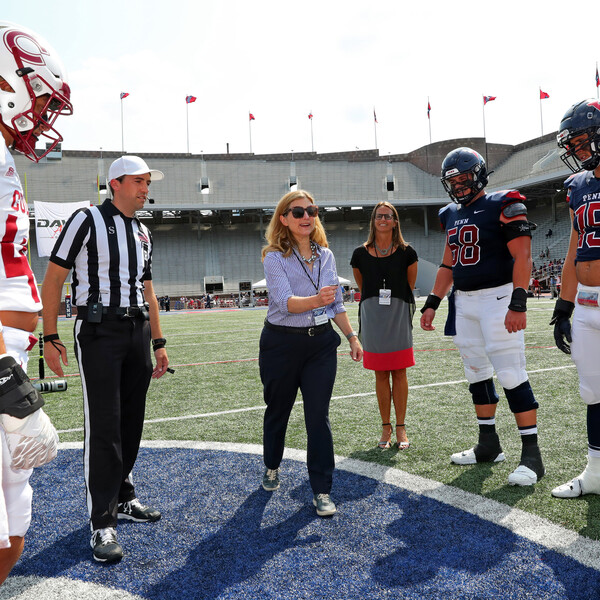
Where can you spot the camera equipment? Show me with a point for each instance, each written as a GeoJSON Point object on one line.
{"type": "Point", "coordinates": [47, 387]}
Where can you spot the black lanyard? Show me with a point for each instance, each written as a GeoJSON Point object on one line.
{"type": "Point", "coordinates": [379, 270]}
{"type": "Point", "coordinates": [308, 274]}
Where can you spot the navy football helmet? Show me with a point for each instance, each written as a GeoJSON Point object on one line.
{"type": "Point", "coordinates": [582, 119]}
{"type": "Point", "coordinates": [464, 161]}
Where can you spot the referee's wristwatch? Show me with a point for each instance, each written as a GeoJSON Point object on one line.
{"type": "Point", "coordinates": [158, 343]}
{"type": "Point", "coordinates": [351, 335]}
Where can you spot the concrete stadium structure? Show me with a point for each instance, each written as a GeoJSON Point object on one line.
{"type": "Point", "coordinates": [209, 215]}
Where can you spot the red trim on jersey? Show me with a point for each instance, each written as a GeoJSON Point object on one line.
{"type": "Point", "coordinates": [16, 266]}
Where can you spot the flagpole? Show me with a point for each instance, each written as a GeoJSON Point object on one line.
{"type": "Point", "coordinates": [541, 116]}
{"type": "Point", "coordinates": [122, 135]}
{"type": "Point", "coordinates": [429, 119]}
{"type": "Point", "coordinates": [187, 121]}
{"type": "Point", "coordinates": [250, 130]}
{"type": "Point", "coordinates": [483, 110]}
{"type": "Point", "coordinates": [312, 140]}
{"type": "Point", "coordinates": [375, 126]}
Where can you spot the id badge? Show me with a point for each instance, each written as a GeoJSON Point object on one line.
{"type": "Point", "coordinates": [320, 315]}
{"type": "Point", "coordinates": [385, 297]}
{"type": "Point", "coordinates": [587, 298]}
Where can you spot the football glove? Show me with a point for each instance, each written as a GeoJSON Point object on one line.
{"type": "Point", "coordinates": [563, 309]}
{"type": "Point", "coordinates": [32, 441]}
{"type": "Point", "coordinates": [18, 397]}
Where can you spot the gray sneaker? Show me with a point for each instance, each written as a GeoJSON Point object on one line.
{"type": "Point", "coordinates": [324, 504]}
{"type": "Point", "coordinates": [105, 545]}
{"type": "Point", "coordinates": [270, 480]}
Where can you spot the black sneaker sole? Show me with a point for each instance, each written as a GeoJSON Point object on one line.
{"type": "Point", "coordinates": [108, 559]}
{"type": "Point", "coordinates": [138, 520]}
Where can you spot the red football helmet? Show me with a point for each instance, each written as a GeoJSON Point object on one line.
{"type": "Point", "coordinates": [29, 68]}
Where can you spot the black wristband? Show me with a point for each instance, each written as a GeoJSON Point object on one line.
{"type": "Point", "coordinates": [518, 300]}
{"type": "Point", "coordinates": [432, 301]}
{"type": "Point", "coordinates": [443, 266]}
{"type": "Point", "coordinates": [51, 337]}
{"type": "Point", "coordinates": [158, 343]}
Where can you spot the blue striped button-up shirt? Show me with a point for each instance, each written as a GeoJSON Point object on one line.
{"type": "Point", "coordinates": [287, 277]}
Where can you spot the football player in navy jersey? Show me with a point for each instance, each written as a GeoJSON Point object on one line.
{"type": "Point", "coordinates": [579, 138]}
{"type": "Point", "coordinates": [487, 258]}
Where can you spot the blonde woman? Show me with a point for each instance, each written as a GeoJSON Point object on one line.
{"type": "Point", "coordinates": [385, 269]}
{"type": "Point", "coordinates": [298, 345]}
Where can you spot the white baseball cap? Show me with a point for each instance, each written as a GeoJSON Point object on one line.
{"type": "Point", "coordinates": [132, 165]}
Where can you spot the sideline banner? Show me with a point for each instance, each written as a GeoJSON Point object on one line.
{"type": "Point", "coordinates": [50, 218]}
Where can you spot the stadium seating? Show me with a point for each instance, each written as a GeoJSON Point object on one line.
{"type": "Point", "coordinates": [220, 233]}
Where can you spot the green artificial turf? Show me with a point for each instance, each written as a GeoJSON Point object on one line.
{"type": "Point", "coordinates": [214, 354]}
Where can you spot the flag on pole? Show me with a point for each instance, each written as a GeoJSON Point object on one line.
{"type": "Point", "coordinates": [124, 95]}
{"type": "Point", "coordinates": [428, 110]}
{"type": "Point", "coordinates": [251, 117]}
{"type": "Point", "coordinates": [487, 99]}
{"type": "Point", "coordinates": [597, 78]}
{"type": "Point", "coordinates": [310, 115]}
{"type": "Point", "coordinates": [190, 99]}
{"type": "Point", "coordinates": [375, 116]}
{"type": "Point", "coordinates": [543, 95]}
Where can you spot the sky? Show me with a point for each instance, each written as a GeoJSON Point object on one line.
{"type": "Point", "coordinates": [340, 60]}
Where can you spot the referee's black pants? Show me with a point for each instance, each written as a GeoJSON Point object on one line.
{"type": "Point", "coordinates": [292, 361]}
{"type": "Point", "coordinates": [116, 368]}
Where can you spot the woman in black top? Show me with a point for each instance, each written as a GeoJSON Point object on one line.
{"type": "Point", "coordinates": [385, 269]}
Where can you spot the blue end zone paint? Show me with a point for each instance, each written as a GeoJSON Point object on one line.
{"type": "Point", "coordinates": [222, 536]}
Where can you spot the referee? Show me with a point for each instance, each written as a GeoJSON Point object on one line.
{"type": "Point", "coordinates": [110, 252]}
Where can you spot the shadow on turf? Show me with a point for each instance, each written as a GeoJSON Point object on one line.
{"type": "Point", "coordinates": [249, 545]}
{"type": "Point", "coordinates": [472, 478]}
{"type": "Point", "coordinates": [66, 552]}
{"type": "Point", "coordinates": [421, 553]}
{"type": "Point", "coordinates": [377, 455]}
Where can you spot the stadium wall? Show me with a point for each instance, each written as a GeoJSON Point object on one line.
{"type": "Point", "coordinates": [218, 230]}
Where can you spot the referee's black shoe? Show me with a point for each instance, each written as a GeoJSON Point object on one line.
{"type": "Point", "coordinates": [105, 545]}
{"type": "Point", "coordinates": [134, 510]}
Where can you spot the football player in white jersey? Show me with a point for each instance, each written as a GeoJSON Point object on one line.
{"type": "Point", "coordinates": [33, 93]}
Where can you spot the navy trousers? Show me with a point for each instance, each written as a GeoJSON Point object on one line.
{"type": "Point", "coordinates": [290, 362]}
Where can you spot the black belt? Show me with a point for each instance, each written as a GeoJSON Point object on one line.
{"type": "Point", "coordinates": [116, 313]}
{"type": "Point", "coordinates": [315, 330]}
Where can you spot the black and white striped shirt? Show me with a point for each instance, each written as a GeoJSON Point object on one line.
{"type": "Point", "coordinates": [110, 254]}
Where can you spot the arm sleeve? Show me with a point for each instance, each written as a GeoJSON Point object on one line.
{"type": "Point", "coordinates": [355, 260]}
{"type": "Point", "coordinates": [411, 256]}
{"type": "Point", "coordinates": [278, 284]}
{"type": "Point", "coordinates": [147, 276]}
{"type": "Point", "coordinates": [338, 304]}
{"type": "Point", "coordinates": [71, 239]}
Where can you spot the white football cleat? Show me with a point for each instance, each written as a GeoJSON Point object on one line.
{"type": "Point", "coordinates": [586, 483]}
{"type": "Point", "coordinates": [530, 469]}
{"type": "Point", "coordinates": [522, 475]}
{"type": "Point", "coordinates": [467, 457]}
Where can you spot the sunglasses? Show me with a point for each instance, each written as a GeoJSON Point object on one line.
{"type": "Point", "coordinates": [378, 217]}
{"type": "Point", "coordinates": [298, 211]}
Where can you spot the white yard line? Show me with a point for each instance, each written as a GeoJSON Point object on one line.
{"type": "Point", "coordinates": [529, 526]}
{"type": "Point", "coordinates": [262, 407]}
